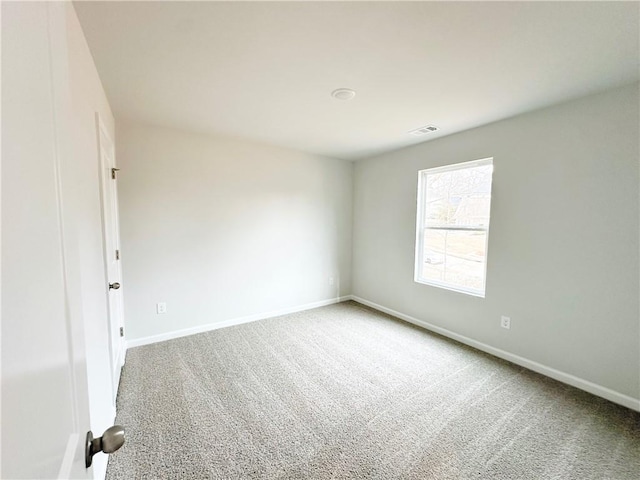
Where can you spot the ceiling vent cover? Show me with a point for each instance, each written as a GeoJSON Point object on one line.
{"type": "Point", "coordinates": [423, 130]}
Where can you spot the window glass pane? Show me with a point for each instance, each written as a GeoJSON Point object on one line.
{"type": "Point", "coordinates": [455, 257]}
{"type": "Point", "coordinates": [459, 197]}
{"type": "Point", "coordinates": [433, 255]}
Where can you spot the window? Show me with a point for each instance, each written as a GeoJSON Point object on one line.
{"type": "Point", "coordinates": [452, 230]}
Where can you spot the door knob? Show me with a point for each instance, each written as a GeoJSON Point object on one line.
{"type": "Point", "coordinates": [110, 441]}
{"type": "Point", "coordinates": [114, 285]}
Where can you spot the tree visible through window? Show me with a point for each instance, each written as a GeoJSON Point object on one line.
{"type": "Point", "coordinates": [454, 204]}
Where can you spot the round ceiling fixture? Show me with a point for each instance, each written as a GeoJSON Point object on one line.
{"type": "Point", "coordinates": [343, 93]}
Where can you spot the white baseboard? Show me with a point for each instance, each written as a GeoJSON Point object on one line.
{"type": "Point", "coordinates": [229, 323]}
{"type": "Point", "coordinates": [587, 386]}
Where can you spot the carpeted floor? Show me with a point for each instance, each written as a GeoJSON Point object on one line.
{"type": "Point", "coordinates": [347, 392]}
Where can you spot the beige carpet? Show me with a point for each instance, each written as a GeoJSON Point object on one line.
{"type": "Point", "coordinates": [347, 392]}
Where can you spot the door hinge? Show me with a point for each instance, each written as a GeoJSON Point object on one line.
{"type": "Point", "coordinates": [122, 331]}
{"type": "Point", "coordinates": [117, 254]}
{"type": "Point", "coordinates": [113, 172]}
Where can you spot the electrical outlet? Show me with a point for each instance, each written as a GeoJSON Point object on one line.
{"type": "Point", "coordinates": [331, 280]}
{"type": "Point", "coordinates": [161, 308]}
{"type": "Point", "coordinates": [505, 322]}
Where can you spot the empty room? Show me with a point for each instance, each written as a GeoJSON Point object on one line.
{"type": "Point", "coordinates": [320, 240]}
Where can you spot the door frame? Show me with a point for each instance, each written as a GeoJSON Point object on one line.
{"type": "Point", "coordinates": [105, 177]}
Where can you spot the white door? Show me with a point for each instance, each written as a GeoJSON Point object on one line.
{"type": "Point", "coordinates": [46, 377]}
{"type": "Point", "coordinates": [110, 223]}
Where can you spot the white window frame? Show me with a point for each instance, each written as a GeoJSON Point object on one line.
{"type": "Point", "coordinates": [421, 227]}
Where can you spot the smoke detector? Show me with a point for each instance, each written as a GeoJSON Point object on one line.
{"type": "Point", "coordinates": [423, 130]}
{"type": "Point", "coordinates": [343, 93]}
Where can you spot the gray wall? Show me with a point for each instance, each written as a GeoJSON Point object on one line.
{"type": "Point", "coordinates": [221, 229]}
{"type": "Point", "coordinates": [563, 245]}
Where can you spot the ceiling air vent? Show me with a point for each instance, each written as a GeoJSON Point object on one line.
{"type": "Point", "coordinates": [423, 130]}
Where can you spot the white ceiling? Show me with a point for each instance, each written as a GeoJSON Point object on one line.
{"type": "Point", "coordinates": [265, 70]}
